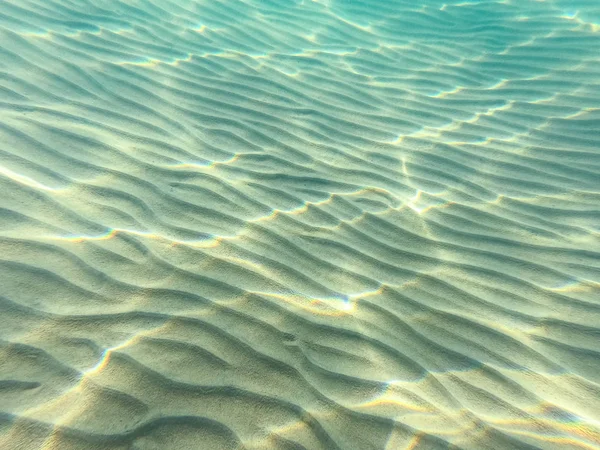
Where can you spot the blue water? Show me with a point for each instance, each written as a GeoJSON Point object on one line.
{"type": "Point", "coordinates": [316, 224]}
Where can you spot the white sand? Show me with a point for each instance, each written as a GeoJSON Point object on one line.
{"type": "Point", "coordinates": [299, 224]}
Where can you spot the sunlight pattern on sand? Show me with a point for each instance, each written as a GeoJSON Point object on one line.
{"type": "Point", "coordinates": [299, 224]}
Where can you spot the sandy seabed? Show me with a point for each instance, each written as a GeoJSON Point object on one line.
{"type": "Point", "coordinates": [286, 225]}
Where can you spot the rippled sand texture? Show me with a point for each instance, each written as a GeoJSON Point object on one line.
{"type": "Point", "coordinates": [299, 224]}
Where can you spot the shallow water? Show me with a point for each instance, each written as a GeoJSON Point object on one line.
{"type": "Point", "coordinates": [326, 224]}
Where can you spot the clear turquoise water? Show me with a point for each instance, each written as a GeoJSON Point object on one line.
{"type": "Point", "coordinates": [317, 224]}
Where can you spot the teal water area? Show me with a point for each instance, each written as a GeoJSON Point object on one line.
{"type": "Point", "coordinates": [317, 224]}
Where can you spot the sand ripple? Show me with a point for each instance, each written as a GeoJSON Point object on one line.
{"type": "Point", "coordinates": [322, 224]}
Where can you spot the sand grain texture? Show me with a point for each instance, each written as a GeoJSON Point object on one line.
{"type": "Point", "coordinates": [304, 224]}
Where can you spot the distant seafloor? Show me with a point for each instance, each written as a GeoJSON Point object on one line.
{"type": "Point", "coordinates": [317, 224]}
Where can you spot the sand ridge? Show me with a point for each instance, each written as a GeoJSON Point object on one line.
{"type": "Point", "coordinates": [299, 224]}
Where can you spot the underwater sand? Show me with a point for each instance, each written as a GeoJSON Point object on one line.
{"type": "Point", "coordinates": [277, 224]}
